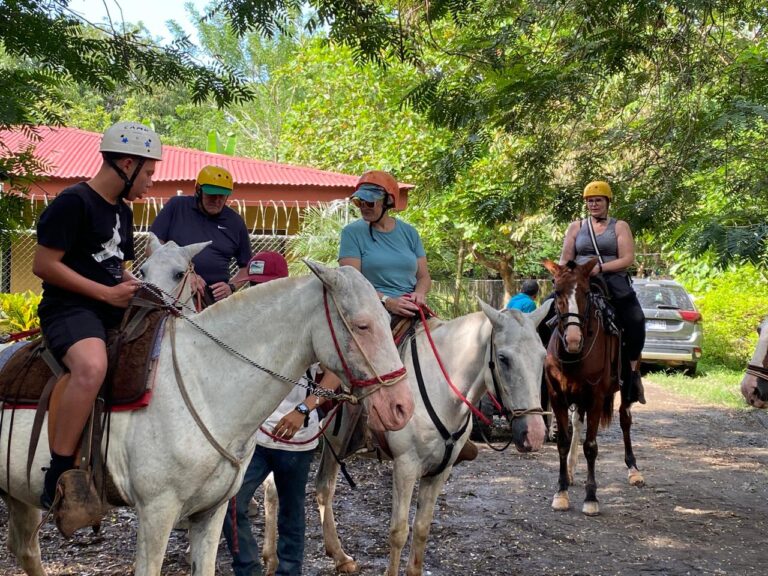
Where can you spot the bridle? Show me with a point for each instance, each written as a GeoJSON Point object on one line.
{"type": "Point", "coordinates": [565, 319]}
{"type": "Point", "coordinates": [496, 378]}
{"type": "Point", "coordinates": [375, 383]}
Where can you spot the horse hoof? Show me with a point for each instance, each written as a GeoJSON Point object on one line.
{"type": "Point", "coordinates": [560, 502]}
{"type": "Point", "coordinates": [636, 478]}
{"type": "Point", "coordinates": [348, 567]}
{"type": "Point", "coordinates": [591, 509]}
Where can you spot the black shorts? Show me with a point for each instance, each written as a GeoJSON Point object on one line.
{"type": "Point", "coordinates": [64, 326]}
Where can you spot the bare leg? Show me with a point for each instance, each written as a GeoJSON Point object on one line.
{"type": "Point", "coordinates": [87, 363]}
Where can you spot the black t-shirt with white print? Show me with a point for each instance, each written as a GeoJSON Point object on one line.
{"type": "Point", "coordinates": [96, 238]}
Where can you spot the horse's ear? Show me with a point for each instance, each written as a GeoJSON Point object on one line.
{"type": "Point", "coordinates": [494, 315]}
{"type": "Point", "coordinates": [154, 243]}
{"type": "Point", "coordinates": [193, 250]}
{"type": "Point", "coordinates": [589, 264]}
{"type": "Point", "coordinates": [327, 275]}
{"type": "Point", "coordinates": [551, 266]}
{"type": "Point", "coordinates": [541, 312]}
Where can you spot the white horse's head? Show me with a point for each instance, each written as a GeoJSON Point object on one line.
{"type": "Point", "coordinates": [366, 352]}
{"type": "Point", "coordinates": [519, 359]}
{"type": "Point", "coordinates": [754, 385]}
{"type": "Point", "coordinates": [169, 267]}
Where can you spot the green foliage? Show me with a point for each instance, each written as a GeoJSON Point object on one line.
{"type": "Point", "coordinates": [319, 236]}
{"type": "Point", "coordinates": [714, 383]}
{"type": "Point", "coordinates": [18, 312]}
{"type": "Point", "coordinates": [732, 304]}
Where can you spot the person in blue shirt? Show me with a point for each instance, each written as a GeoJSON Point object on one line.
{"type": "Point", "coordinates": [202, 217]}
{"type": "Point", "coordinates": [387, 251]}
{"type": "Point", "coordinates": [524, 301]}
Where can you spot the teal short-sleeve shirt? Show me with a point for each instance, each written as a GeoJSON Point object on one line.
{"type": "Point", "coordinates": [388, 260]}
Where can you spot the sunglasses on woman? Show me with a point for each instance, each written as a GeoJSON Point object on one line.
{"type": "Point", "coordinates": [362, 203]}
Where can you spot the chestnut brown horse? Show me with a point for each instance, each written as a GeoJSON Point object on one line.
{"type": "Point", "coordinates": [582, 373]}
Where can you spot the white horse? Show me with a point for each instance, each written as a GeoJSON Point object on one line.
{"type": "Point", "coordinates": [169, 268]}
{"type": "Point", "coordinates": [182, 458]}
{"type": "Point", "coordinates": [754, 384]}
{"type": "Point", "coordinates": [466, 346]}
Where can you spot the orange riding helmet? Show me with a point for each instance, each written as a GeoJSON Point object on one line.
{"type": "Point", "coordinates": [397, 199]}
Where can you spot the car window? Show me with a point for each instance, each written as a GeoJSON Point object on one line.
{"type": "Point", "coordinates": [655, 296]}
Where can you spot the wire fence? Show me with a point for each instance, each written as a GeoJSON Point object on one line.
{"type": "Point", "coordinates": [16, 261]}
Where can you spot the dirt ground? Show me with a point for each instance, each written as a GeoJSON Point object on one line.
{"type": "Point", "coordinates": [703, 510]}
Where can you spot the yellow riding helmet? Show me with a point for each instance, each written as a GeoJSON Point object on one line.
{"type": "Point", "coordinates": [215, 180]}
{"type": "Point", "coordinates": [598, 188]}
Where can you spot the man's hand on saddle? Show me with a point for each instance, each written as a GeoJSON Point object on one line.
{"type": "Point", "coordinates": [289, 425]}
{"type": "Point", "coordinates": [120, 295]}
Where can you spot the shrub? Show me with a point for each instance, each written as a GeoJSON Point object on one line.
{"type": "Point", "coordinates": [732, 305]}
{"type": "Point", "coordinates": [18, 312]}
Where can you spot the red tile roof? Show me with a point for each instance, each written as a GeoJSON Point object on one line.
{"type": "Point", "coordinates": [73, 154]}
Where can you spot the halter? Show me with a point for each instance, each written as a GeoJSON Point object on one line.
{"type": "Point", "coordinates": [375, 383]}
{"type": "Point", "coordinates": [495, 378]}
{"type": "Point", "coordinates": [564, 320]}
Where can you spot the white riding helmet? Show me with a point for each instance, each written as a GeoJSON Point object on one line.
{"type": "Point", "coordinates": [132, 139]}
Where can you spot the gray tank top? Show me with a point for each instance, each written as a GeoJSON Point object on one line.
{"type": "Point", "coordinates": [606, 243]}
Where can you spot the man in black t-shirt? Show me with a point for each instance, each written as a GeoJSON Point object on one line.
{"type": "Point", "coordinates": [203, 217]}
{"type": "Point", "coordinates": [83, 239]}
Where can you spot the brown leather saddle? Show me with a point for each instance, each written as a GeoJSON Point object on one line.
{"type": "Point", "coordinates": [23, 378]}
{"type": "Point", "coordinates": [32, 378]}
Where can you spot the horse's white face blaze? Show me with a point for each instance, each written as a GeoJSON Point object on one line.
{"type": "Point", "coordinates": [573, 336]}
{"type": "Point", "coordinates": [749, 381]}
{"type": "Point", "coordinates": [390, 407]}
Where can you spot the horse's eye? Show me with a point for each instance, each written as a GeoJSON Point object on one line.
{"type": "Point", "coordinates": [503, 360]}
{"type": "Point", "coordinates": [759, 329]}
{"type": "Point", "coordinates": [362, 327]}
{"type": "Point", "coordinates": [178, 275]}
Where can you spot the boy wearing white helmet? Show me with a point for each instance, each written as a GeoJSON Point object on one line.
{"type": "Point", "coordinates": [83, 239]}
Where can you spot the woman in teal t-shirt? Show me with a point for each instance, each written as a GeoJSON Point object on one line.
{"type": "Point", "coordinates": [387, 251]}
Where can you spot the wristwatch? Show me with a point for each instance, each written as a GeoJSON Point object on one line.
{"type": "Point", "coordinates": [232, 287]}
{"type": "Point", "coordinates": [302, 409]}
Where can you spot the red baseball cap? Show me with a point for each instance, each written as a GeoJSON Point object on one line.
{"type": "Point", "coordinates": [266, 266]}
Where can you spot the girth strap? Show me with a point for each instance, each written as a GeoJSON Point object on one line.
{"type": "Point", "coordinates": [450, 439]}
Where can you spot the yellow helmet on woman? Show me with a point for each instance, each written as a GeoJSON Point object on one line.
{"type": "Point", "coordinates": [598, 188]}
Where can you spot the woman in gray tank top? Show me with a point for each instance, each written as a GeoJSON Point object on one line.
{"type": "Point", "coordinates": [617, 250]}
